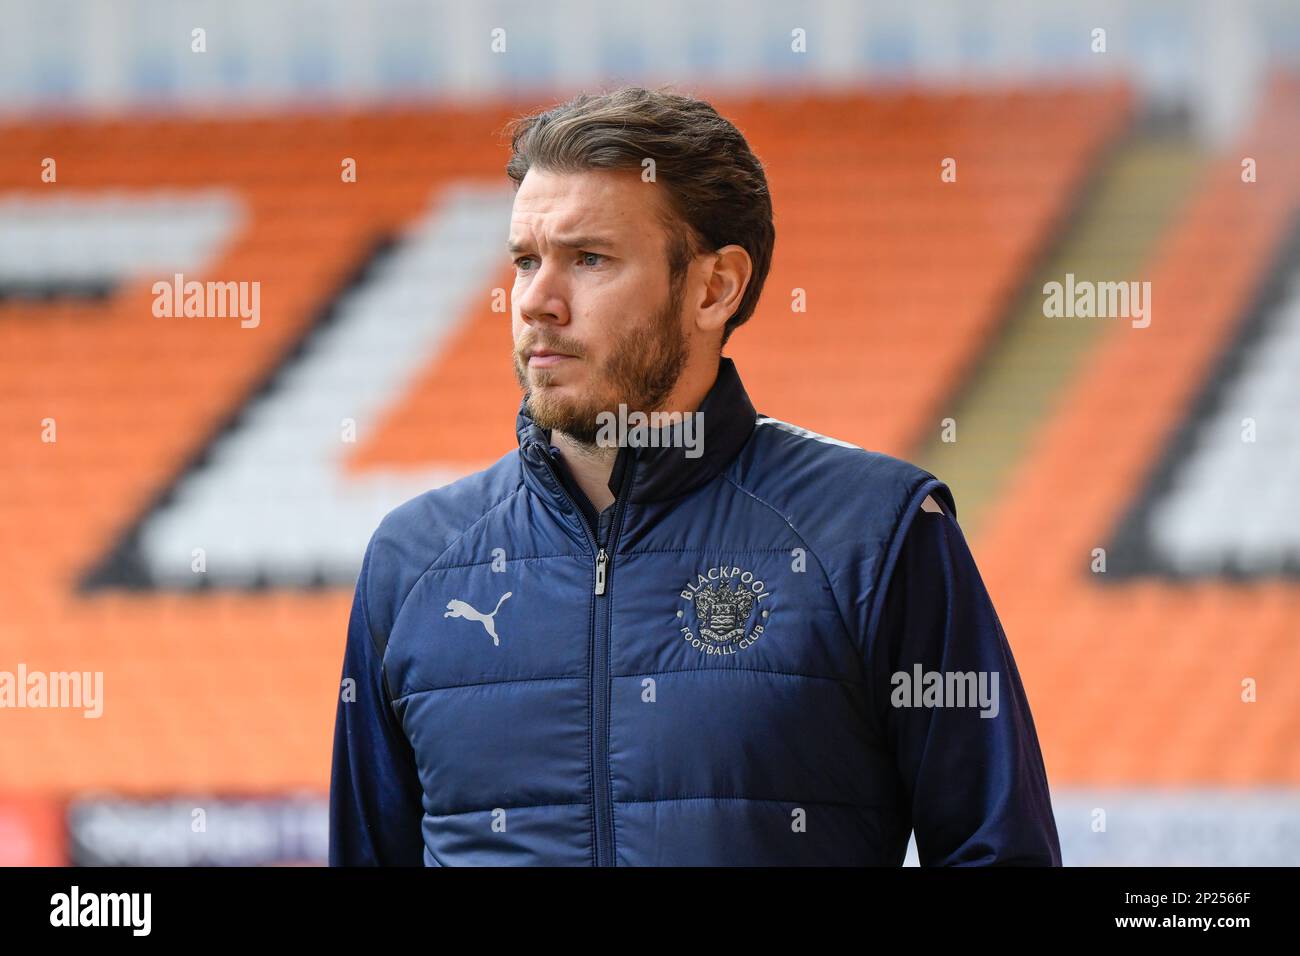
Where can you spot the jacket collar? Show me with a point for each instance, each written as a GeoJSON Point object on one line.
{"type": "Point", "coordinates": [658, 473]}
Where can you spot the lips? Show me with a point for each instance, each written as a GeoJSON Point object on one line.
{"type": "Point", "coordinates": [542, 357]}
{"type": "Point", "coordinates": [547, 359]}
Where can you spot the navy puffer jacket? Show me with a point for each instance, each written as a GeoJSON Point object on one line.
{"type": "Point", "coordinates": [747, 659]}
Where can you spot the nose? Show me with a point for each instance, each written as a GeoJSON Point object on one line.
{"type": "Point", "coordinates": [541, 298]}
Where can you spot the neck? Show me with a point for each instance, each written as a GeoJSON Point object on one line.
{"type": "Point", "coordinates": [590, 465]}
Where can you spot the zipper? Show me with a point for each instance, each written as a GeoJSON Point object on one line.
{"type": "Point", "coordinates": [603, 809]}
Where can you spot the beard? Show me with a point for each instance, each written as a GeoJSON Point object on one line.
{"type": "Point", "coordinates": [641, 370]}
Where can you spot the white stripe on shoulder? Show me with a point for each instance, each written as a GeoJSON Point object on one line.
{"type": "Point", "coordinates": [805, 433]}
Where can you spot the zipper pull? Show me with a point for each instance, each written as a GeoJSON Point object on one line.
{"type": "Point", "coordinates": [601, 560]}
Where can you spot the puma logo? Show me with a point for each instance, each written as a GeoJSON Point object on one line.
{"type": "Point", "coordinates": [461, 609]}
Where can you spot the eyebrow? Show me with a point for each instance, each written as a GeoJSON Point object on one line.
{"type": "Point", "coordinates": [566, 242]}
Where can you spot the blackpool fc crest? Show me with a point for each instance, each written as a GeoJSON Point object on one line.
{"type": "Point", "coordinates": [727, 610]}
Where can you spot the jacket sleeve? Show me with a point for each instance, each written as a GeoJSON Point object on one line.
{"type": "Point", "coordinates": [375, 809]}
{"type": "Point", "coordinates": [972, 773]}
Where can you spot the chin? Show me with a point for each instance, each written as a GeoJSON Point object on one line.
{"type": "Point", "coordinates": [548, 379]}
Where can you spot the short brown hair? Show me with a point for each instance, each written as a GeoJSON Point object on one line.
{"type": "Point", "coordinates": [714, 183]}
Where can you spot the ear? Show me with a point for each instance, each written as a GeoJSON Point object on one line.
{"type": "Point", "coordinates": [724, 279]}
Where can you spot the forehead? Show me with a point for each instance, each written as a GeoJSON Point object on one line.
{"type": "Point", "coordinates": [612, 202]}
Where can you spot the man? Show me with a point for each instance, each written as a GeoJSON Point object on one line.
{"type": "Point", "coordinates": [737, 643]}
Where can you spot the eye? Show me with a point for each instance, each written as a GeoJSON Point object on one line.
{"type": "Point", "coordinates": [520, 263]}
{"type": "Point", "coordinates": [591, 255]}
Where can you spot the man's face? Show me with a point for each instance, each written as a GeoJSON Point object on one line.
{"type": "Point", "coordinates": [592, 282]}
